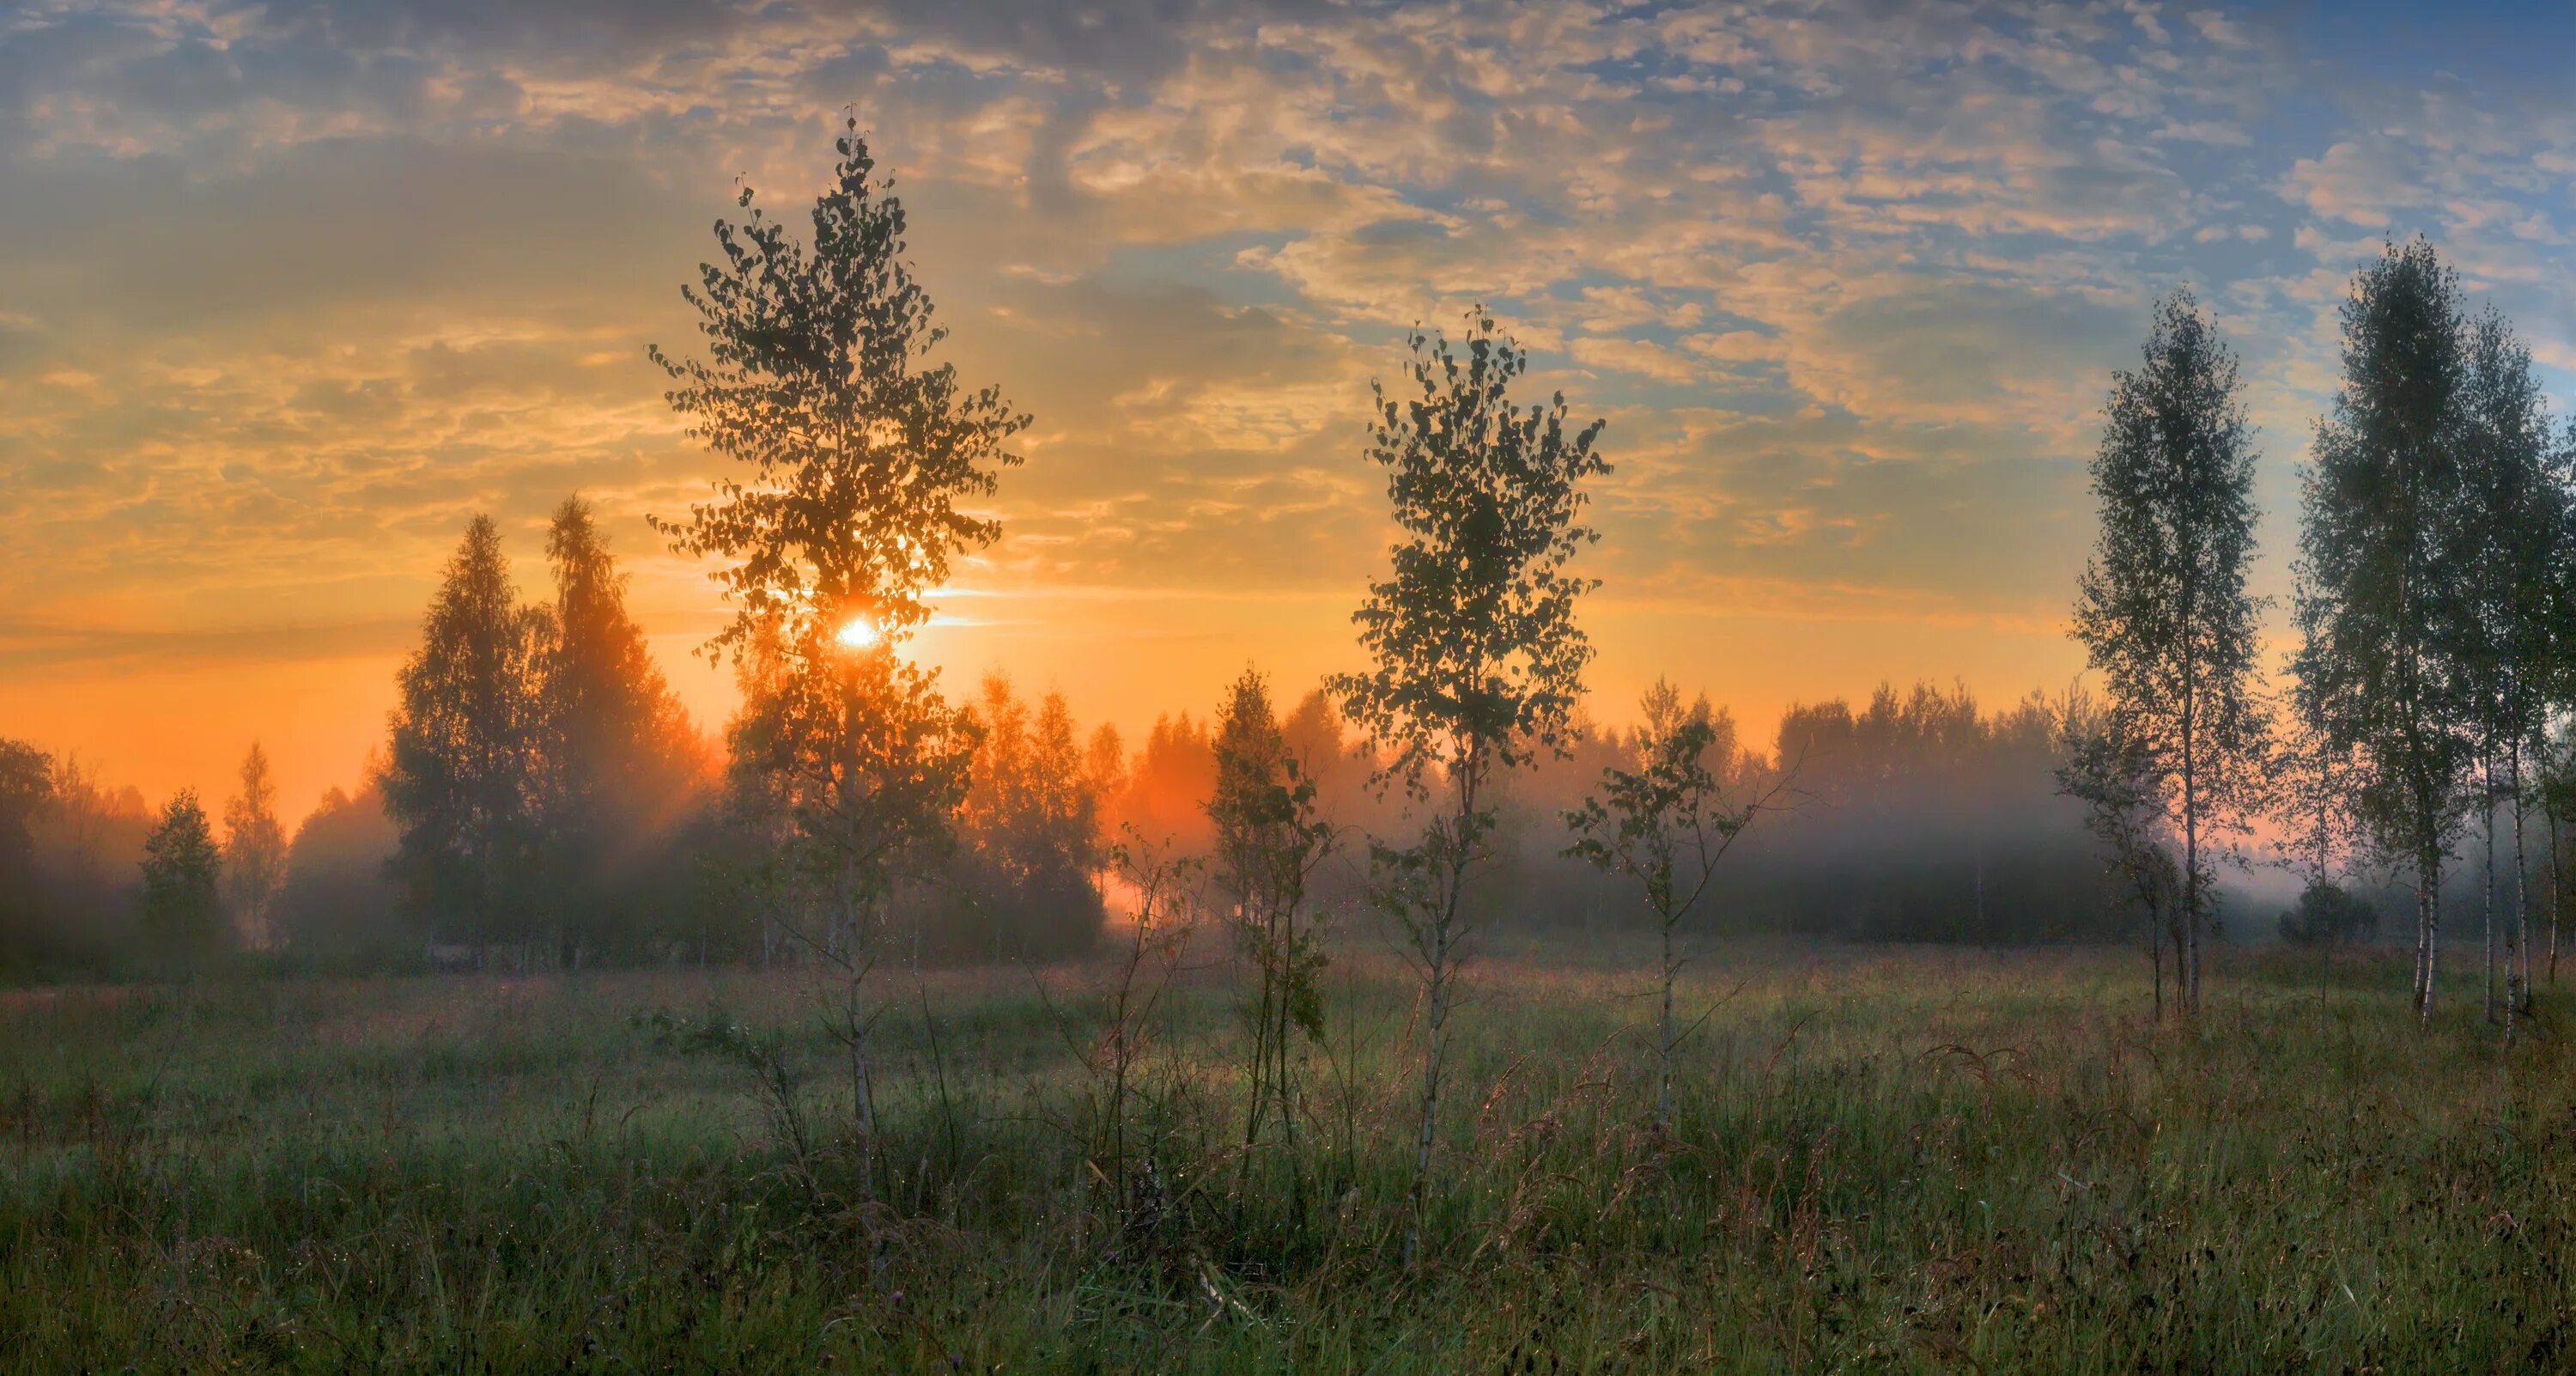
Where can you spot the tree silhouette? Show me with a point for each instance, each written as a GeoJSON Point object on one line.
{"type": "Point", "coordinates": [335, 907]}
{"type": "Point", "coordinates": [1031, 823]}
{"type": "Point", "coordinates": [854, 456]}
{"type": "Point", "coordinates": [2506, 538]}
{"type": "Point", "coordinates": [254, 847]}
{"type": "Point", "coordinates": [1268, 843]}
{"type": "Point", "coordinates": [2326, 916]}
{"type": "Point", "coordinates": [183, 912]}
{"type": "Point", "coordinates": [1923, 817]}
{"type": "Point", "coordinates": [26, 791]}
{"type": "Point", "coordinates": [1166, 788]}
{"type": "Point", "coordinates": [2379, 599]}
{"type": "Point", "coordinates": [1476, 658]}
{"type": "Point", "coordinates": [817, 380]}
{"type": "Point", "coordinates": [2162, 608]}
{"type": "Point", "coordinates": [1666, 823]}
{"type": "Point", "coordinates": [2108, 768]}
{"type": "Point", "coordinates": [461, 776]}
{"type": "Point", "coordinates": [619, 755]}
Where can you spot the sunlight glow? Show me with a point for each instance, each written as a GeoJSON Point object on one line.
{"type": "Point", "coordinates": [858, 633]}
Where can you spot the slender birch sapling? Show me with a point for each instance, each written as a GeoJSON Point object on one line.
{"type": "Point", "coordinates": [1268, 845]}
{"type": "Point", "coordinates": [1666, 823]}
{"type": "Point", "coordinates": [1476, 661]}
{"type": "Point", "coordinates": [2106, 768]}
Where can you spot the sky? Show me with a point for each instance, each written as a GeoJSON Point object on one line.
{"type": "Point", "coordinates": [289, 291]}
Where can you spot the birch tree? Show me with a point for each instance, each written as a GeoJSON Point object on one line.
{"type": "Point", "coordinates": [2504, 538]}
{"type": "Point", "coordinates": [2162, 607]}
{"type": "Point", "coordinates": [1666, 822]}
{"type": "Point", "coordinates": [1476, 658]}
{"type": "Point", "coordinates": [857, 465]}
{"type": "Point", "coordinates": [858, 459]}
{"type": "Point", "coordinates": [2106, 767]}
{"type": "Point", "coordinates": [1268, 845]}
{"type": "Point", "coordinates": [866, 763]}
{"type": "Point", "coordinates": [2556, 789]}
{"type": "Point", "coordinates": [2378, 597]}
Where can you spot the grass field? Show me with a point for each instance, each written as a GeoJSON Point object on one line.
{"type": "Point", "coordinates": [1908, 1160]}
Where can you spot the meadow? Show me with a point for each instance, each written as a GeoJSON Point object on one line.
{"type": "Point", "coordinates": [1882, 1159]}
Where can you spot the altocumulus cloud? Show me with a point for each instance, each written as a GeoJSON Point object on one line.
{"type": "Point", "coordinates": [287, 289]}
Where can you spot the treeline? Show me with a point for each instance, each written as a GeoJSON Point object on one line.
{"type": "Point", "coordinates": [71, 852]}
{"type": "Point", "coordinates": [1915, 817]}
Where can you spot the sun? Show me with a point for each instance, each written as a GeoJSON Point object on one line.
{"type": "Point", "coordinates": [857, 633]}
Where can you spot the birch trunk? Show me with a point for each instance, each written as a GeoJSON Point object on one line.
{"type": "Point", "coordinates": [2551, 810]}
{"type": "Point", "coordinates": [1438, 1014]}
{"type": "Point", "coordinates": [2486, 858]}
{"type": "Point", "coordinates": [1437, 975]}
{"type": "Point", "coordinates": [2156, 956]}
{"type": "Point", "coordinates": [2427, 923]}
{"type": "Point", "coordinates": [1664, 1063]}
{"type": "Point", "coordinates": [2191, 898]}
{"type": "Point", "coordinates": [2517, 934]}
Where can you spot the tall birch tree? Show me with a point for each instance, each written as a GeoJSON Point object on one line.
{"type": "Point", "coordinates": [2162, 607]}
{"type": "Point", "coordinates": [858, 463]}
{"type": "Point", "coordinates": [2504, 541]}
{"type": "Point", "coordinates": [2379, 596]}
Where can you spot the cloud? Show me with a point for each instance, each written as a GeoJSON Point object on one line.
{"type": "Point", "coordinates": [35, 647]}
{"type": "Point", "coordinates": [289, 289]}
{"type": "Point", "coordinates": [1636, 356]}
{"type": "Point", "coordinates": [2358, 183]}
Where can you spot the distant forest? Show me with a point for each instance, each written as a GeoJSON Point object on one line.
{"type": "Point", "coordinates": [1919, 817]}
{"type": "Point", "coordinates": [542, 802]}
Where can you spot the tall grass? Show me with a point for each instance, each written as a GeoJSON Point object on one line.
{"type": "Point", "coordinates": [1881, 1160]}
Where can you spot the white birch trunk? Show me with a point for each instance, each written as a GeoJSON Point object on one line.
{"type": "Point", "coordinates": [2486, 857]}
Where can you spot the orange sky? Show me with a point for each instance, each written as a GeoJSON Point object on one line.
{"type": "Point", "coordinates": [318, 718]}
{"type": "Point", "coordinates": [288, 293]}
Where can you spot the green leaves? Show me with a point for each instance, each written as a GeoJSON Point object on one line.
{"type": "Point", "coordinates": [1668, 819]}
{"type": "Point", "coordinates": [818, 379]}
{"type": "Point", "coordinates": [859, 453]}
{"type": "Point", "coordinates": [1472, 632]}
{"type": "Point", "coordinates": [2431, 578]}
{"type": "Point", "coordinates": [2162, 607]}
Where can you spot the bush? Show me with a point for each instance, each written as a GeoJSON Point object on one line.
{"type": "Point", "coordinates": [2327, 914]}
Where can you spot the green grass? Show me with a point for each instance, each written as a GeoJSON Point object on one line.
{"type": "Point", "coordinates": [1906, 1160]}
